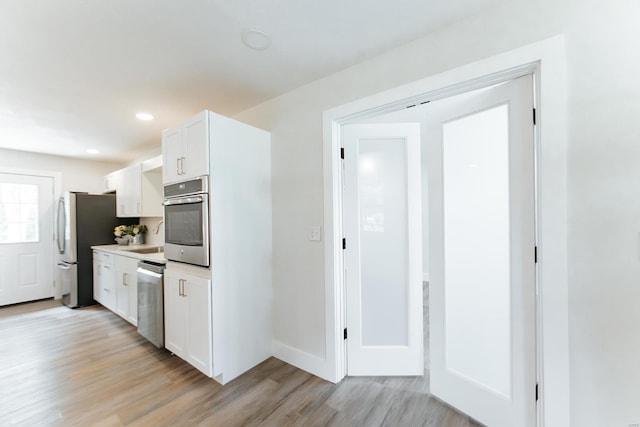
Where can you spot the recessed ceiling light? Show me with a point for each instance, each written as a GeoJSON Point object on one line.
{"type": "Point", "coordinates": [92, 151]}
{"type": "Point", "coordinates": [256, 40]}
{"type": "Point", "coordinates": [144, 116]}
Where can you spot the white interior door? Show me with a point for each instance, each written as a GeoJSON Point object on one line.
{"type": "Point", "coordinates": [26, 238]}
{"type": "Point", "coordinates": [482, 288]}
{"type": "Point", "coordinates": [383, 258]}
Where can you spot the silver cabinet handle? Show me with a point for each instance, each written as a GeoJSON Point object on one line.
{"type": "Point", "coordinates": [179, 287]}
{"type": "Point", "coordinates": [184, 292]}
{"type": "Point", "coordinates": [182, 164]}
{"type": "Point", "coordinates": [178, 165]}
{"type": "Point", "coordinates": [124, 279]}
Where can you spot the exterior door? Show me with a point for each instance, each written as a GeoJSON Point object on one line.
{"type": "Point", "coordinates": [383, 258]}
{"type": "Point", "coordinates": [482, 288]}
{"type": "Point", "coordinates": [26, 238]}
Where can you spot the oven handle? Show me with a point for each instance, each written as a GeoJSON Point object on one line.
{"type": "Point", "coordinates": [183, 201]}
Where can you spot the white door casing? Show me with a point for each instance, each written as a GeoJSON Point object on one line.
{"type": "Point", "coordinates": [546, 59]}
{"type": "Point", "coordinates": [26, 237]}
{"type": "Point", "coordinates": [482, 223]}
{"type": "Point", "coordinates": [383, 256]}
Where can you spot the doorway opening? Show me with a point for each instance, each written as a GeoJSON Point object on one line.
{"type": "Point", "coordinates": [478, 151]}
{"type": "Point", "coordinates": [544, 60]}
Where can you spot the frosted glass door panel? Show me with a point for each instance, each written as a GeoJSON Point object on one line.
{"type": "Point", "coordinates": [382, 190]}
{"type": "Point", "coordinates": [382, 228]}
{"type": "Point", "coordinates": [477, 248]}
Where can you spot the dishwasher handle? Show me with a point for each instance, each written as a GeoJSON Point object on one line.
{"type": "Point", "coordinates": [149, 273]}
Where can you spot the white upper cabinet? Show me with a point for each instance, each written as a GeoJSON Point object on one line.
{"type": "Point", "coordinates": [185, 149]}
{"type": "Point", "coordinates": [138, 189]}
{"type": "Point", "coordinates": [110, 182]}
{"type": "Point", "coordinates": [129, 192]}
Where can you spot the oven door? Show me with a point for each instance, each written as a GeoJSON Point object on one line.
{"type": "Point", "coordinates": [186, 229]}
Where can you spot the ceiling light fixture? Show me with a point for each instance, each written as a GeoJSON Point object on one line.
{"type": "Point", "coordinates": [144, 116]}
{"type": "Point", "coordinates": [256, 40]}
{"type": "Point", "coordinates": [92, 151]}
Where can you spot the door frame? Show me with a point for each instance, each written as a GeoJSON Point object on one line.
{"type": "Point", "coordinates": [546, 61]}
{"type": "Point", "coordinates": [57, 179]}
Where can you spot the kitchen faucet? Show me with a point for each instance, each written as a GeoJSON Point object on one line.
{"type": "Point", "coordinates": [157, 229]}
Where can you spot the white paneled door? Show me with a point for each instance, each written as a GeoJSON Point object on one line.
{"type": "Point", "coordinates": [26, 238]}
{"type": "Point", "coordinates": [482, 253]}
{"type": "Point", "coordinates": [383, 256]}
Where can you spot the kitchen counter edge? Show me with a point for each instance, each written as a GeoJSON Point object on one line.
{"type": "Point", "coordinates": [126, 251]}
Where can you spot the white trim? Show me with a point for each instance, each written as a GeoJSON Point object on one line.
{"type": "Point", "coordinates": [298, 358]}
{"type": "Point", "coordinates": [57, 180]}
{"type": "Point", "coordinates": [548, 56]}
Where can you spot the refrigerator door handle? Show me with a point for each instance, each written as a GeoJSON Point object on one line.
{"type": "Point", "coordinates": [61, 220]}
{"type": "Point", "coordinates": [64, 266]}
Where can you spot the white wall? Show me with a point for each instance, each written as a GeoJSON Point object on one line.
{"type": "Point", "coordinates": [77, 174]}
{"type": "Point", "coordinates": [604, 171]}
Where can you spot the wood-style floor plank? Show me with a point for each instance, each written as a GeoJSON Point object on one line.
{"type": "Point", "coordinates": [88, 367]}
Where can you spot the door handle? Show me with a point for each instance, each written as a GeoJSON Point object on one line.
{"type": "Point", "coordinates": [124, 279]}
{"type": "Point", "coordinates": [63, 267]}
{"type": "Point", "coordinates": [61, 220]}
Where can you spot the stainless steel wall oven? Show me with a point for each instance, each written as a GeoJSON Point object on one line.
{"type": "Point", "coordinates": [186, 221]}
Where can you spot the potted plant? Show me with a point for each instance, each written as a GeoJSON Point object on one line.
{"type": "Point", "coordinates": [126, 234]}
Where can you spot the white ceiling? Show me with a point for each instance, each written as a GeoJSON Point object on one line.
{"type": "Point", "coordinates": [73, 73]}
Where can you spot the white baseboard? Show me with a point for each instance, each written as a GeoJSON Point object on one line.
{"type": "Point", "coordinates": [300, 359]}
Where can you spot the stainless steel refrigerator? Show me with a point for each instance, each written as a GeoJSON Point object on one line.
{"type": "Point", "coordinates": [83, 220]}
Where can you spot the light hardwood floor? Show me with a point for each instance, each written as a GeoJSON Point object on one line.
{"type": "Point", "coordinates": [88, 367]}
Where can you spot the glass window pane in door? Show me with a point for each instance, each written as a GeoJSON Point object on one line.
{"type": "Point", "coordinates": [19, 222]}
{"type": "Point", "coordinates": [382, 192]}
{"type": "Point", "coordinates": [477, 248]}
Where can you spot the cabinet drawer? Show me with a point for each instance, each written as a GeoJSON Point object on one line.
{"type": "Point", "coordinates": [104, 257]}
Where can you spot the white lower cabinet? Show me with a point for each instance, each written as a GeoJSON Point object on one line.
{"type": "Point", "coordinates": [127, 288]}
{"type": "Point", "coordinates": [104, 279]}
{"type": "Point", "coordinates": [115, 284]}
{"type": "Point", "coordinates": [187, 318]}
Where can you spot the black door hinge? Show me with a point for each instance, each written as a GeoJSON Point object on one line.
{"type": "Point", "coordinates": [345, 333]}
{"type": "Point", "coordinates": [534, 116]}
{"type": "Point", "coordinates": [536, 390]}
{"type": "Point", "coordinates": [535, 254]}
{"type": "Point", "coordinates": [344, 243]}
{"type": "Point", "coordinates": [342, 153]}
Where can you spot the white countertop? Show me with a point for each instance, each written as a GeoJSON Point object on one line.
{"type": "Point", "coordinates": [126, 251]}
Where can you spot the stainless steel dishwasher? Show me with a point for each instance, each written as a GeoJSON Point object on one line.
{"type": "Point", "coordinates": [151, 302]}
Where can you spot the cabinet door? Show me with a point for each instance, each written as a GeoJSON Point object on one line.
{"type": "Point", "coordinates": [108, 286]}
{"type": "Point", "coordinates": [131, 276]}
{"type": "Point", "coordinates": [129, 192]}
{"type": "Point", "coordinates": [198, 295]}
{"type": "Point", "coordinates": [175, 314]}
{"type": "Point", "coordinates": [171, 154]}
{"type": "Point", "coordinates": [127, 288]}
{"type": "Point", "coordinates": [195, 146]}
{"type": "Point", "coordinates": [110, 182]}
{"type": "Point", "coordinates": [97, 279]}
{"type": "Point", "coordinates": [122, 294]}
